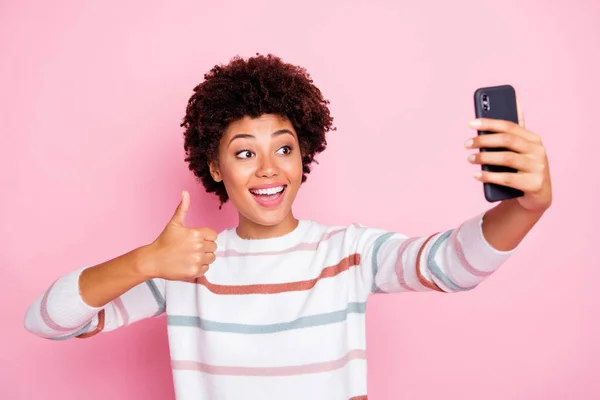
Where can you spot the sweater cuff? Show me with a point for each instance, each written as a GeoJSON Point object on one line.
{"type": "Point", "coordinates": [65, 306]}
{"type": "Point", "coordinates": [477, 250]}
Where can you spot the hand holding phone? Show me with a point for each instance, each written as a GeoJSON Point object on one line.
{"type": "Point", "coordinates": [497, 102]}
{"type": "Point", "coordinates": [513, 159]}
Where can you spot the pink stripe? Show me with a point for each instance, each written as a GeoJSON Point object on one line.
{"type": "Point", "coordinates": [270, 371]}
{"type": "Point", "coordinates": [461, 256]}
{"type": "Point", "coordinates": [122, 310]}
{"type": "Point", "coordinates": [46, 316]}
{"type": "Point", "coordinates": [299, 247]}
{"type": "Point", "coordinates": [400, 267]}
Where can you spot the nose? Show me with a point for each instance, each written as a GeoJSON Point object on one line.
{"type": "Point", "coordinates": [267, 168]}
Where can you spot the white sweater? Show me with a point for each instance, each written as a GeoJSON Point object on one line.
{"type": "Point", "coordinates": [279, 318]}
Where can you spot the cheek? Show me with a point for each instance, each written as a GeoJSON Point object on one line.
{"type": "Point", "coordinates": [235, 176]}
{"type": "Point", "coordinates": [294, 168]}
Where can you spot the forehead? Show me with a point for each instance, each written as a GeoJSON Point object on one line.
{"type": "Point", "coordinates": [263, 125]}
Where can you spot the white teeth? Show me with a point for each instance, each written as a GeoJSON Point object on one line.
{"type": "Point", "coordinates": [273, 190]}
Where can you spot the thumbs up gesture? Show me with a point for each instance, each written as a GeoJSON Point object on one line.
{"type": "Point", "coordinates": [179, 252]}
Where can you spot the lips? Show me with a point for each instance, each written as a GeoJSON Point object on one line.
{"type": "Point", "coordinates": [268, 195]}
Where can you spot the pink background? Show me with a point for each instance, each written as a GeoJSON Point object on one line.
{"type": "Point", "coordinates": [92, 165]}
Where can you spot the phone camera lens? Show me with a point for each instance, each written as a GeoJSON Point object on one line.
{"type": "Point", "coordinates": [485, 102]}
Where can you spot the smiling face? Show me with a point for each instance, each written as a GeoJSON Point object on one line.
{"type": "Point", "coordinates": [260, 164]}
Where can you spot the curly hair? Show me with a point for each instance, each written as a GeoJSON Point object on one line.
{"type": "Point", "coordinates": [253, 87]}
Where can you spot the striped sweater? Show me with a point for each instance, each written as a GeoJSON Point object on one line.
{"type": "Point", "coordinates": [278, 318]}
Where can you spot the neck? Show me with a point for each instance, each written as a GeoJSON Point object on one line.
{"type": "Point", "coordinates": [248, 229]}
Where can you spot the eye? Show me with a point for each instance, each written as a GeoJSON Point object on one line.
{"type": "Point", "coordinates": [284, 150]}
{"type": "Point", "coordinates": [243, 154]}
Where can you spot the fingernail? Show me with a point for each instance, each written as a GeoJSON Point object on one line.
{"type": "Point", "coordinates": [471, 158]}
{"type": "Point", "coordinates": [475, 122]}
{"type": "Point", "coordinates": [469, 143]}
{"type": "Point", "coordinates": [477, 175]}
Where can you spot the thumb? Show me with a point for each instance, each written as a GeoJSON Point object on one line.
{"type": "Point", "coordinates": [182, 209]}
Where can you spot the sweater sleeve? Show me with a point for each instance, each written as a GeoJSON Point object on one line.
{"type": "Point", "coordinates": [60, 312]}
{"type": "Point", "coordinates": [452, 261]}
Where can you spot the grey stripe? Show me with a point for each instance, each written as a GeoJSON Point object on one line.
{"type": "Point", "coordinates": [380, 240]}
{"type": "Point", "coordinates": [300, 323]}
{"type": "Point", "coordinates": [72, 335]}
{"type": "Point", "coordinates": [160, 301]}
{"type": "Point", "coordinates": [435, 269]}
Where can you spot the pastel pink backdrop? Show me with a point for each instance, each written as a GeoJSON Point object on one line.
{"type": "Point", "coordinates": [92, 166]}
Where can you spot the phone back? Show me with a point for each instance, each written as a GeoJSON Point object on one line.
{"type": "Point", "coordinates": [497, 102]}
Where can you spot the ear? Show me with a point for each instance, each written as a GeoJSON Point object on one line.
{"type": "Point", "coordinates": [214, 171]}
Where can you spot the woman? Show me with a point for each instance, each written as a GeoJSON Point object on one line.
{"type": "Point", "coordinates": [280, 312]}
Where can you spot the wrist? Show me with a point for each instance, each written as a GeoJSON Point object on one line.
{"type": "Point", "coordinates": [506, 225]}
{"type": "Point", "coordinates": [517, 207]}
{"type": "Point", "coordinates": [144, 265]}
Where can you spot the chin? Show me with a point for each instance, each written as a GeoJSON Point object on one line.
{"type": "Point", "coordinates": [268, 217]}
{"type": "Point", "coordinates": [267, 220]}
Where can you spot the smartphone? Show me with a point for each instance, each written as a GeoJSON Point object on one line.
{"type": "Point", "coordinates": [497, 102]}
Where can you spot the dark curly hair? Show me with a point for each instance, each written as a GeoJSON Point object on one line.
{"type": "Point", "coordinates": [253, 87]}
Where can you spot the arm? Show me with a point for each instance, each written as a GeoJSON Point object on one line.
{"type": "Point", "coordinates": [454, 260]}
{"type": "Point", "coordinates": [99, 298]}
{"type": "Point", "coordinates": [461, 258]}
{"type": "Point", "coordinates": [103, 283]}
{"type": "Point", "coordinates": [507, 224]}
{"type": "Point", "coordinates": [126, 289]}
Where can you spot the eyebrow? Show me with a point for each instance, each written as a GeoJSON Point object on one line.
{"type": "Point", "coordinates": [249, 136]}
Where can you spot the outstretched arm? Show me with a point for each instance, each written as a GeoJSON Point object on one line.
{"type": "Point", "coordinates": [454, 260]}
{"type": "Point", "coordinates": [507, 224]}
{"type": "Point", "coordinates": [461, 258]}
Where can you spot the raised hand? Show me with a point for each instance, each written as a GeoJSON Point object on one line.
{"type": "Point", "coordinates": [527, 156]}
{"type": "Point", "coordinates": [179, 252]}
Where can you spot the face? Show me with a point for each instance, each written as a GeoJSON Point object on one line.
{"type": "Point", "coordinates": [260, 164]}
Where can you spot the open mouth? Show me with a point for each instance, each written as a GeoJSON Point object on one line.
{"type": "Point", "coordinates": [269, 197]}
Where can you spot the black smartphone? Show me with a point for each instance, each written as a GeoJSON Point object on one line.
{"type": "Point", "coordinates": [497, 102]}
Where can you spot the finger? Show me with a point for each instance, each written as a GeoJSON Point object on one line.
{"type": "Point", "coordinates": [207, 246]}
{"type": "Point", "coordinates": [198, 272]}
{"type": "Point", "coordinates": [203, 270]}
{"type": "Point", "coordinates": [209, 258]}
{"type": "Point", "coordinates": [510, 159]}
{"type": "Point", "coordinates": [207, 234]}
{"type": "Point", "coordinates": [526, 182]}
{"type": "Point", "coordinates": [500, 125]}
{"type": "Point", "coordinates": [199, 259]}
{"type": "Point", "coordinates": [521, 115]}
{"type": "Point", "coordinates": [182, 209]}
{"type": "Point", "coordinates": [500, 140]}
